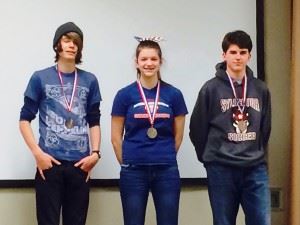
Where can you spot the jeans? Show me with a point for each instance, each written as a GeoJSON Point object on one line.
{"type": "Point", "coordinates": [64, 190]}
{"type": "Point", "coordinates": [164, 183]}
{"type": "Point", "coordinates": [229, 187]}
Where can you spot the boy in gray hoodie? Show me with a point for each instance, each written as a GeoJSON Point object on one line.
{"type": "Point", "coordinates": [230, 128]}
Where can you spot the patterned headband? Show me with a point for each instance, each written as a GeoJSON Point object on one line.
{"type": "Point", "coordinates": [152, 38]}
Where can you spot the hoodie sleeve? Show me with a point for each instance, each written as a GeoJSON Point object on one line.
{"type": "Point", "coordinates": [266, 119]}
{"type": "Point", "coordinates": [199, 124]}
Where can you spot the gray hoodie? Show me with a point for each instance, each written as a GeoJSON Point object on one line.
{"type": "Point", "coordinates": [217, 135]}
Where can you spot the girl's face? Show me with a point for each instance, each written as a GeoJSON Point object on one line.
{"type": "Point", "coordinates": [148, 62]}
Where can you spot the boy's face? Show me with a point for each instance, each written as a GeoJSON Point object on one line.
{"type": "Point", "coordinates": [69, 49]}
{"type": "Point", "coordinates": [236, 59]}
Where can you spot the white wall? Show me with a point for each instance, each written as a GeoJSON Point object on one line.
{"type": "Point", "coordinates": [193, 31]}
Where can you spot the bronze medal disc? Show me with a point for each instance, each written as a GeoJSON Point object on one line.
{"type": "Point", "coordinates": [242, 125]}
{"type": "Point", "coordinates": [152, 133]}
{"type": "Point", "coordinates": [69, 123]}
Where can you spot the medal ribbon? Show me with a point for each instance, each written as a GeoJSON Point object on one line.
{"type": "Point", "coordinates": [68, 104]}
{"type": "Point", "coordinates": [244, 88]}
{"type": "Point", "coordinates": [150, 117]}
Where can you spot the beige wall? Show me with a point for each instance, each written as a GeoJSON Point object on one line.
{"type": "Point", "coordinates": [295, 158]}
{"type": "Point", "coordinates": [17, 205]}
{"type": "Point", "coordinates": [278, 56]}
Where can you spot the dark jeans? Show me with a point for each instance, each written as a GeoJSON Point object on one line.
{"type": "Point", "coordinates": [64, 190]}
{"type": "Point", "coordinates": [164, 183]}
{"type": "Point", "coordinates": [228, 187]}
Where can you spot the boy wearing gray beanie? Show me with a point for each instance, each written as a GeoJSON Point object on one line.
{"type": "Point", "coordinates": [68, 101]}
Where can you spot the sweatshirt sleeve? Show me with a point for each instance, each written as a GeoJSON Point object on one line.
{"type": "Point", "coordinates": [199, 124]}
{"type": "Point", "coordinates": [266, 119]}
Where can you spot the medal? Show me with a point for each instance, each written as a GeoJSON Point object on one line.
{"type": "Point", "coordinates": [242, 125]}
{"type": "Point", "coordinates": [151, 132]}
{"type": "Point", "coordinates": [69, 123]}
{"type": "Point", "coordinates": [240, 119]}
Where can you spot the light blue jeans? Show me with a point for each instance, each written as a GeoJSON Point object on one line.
{"type": "Point", "coordinates": [229, 187]}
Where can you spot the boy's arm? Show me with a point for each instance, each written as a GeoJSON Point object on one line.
{"type": "Point", "coordinates": [199, 124]}
{"type": "Point", "coordinates": [95, 137]}
{"type": "Point", "coordinates": [266, 119]}
{"type": "Point", "coordinates": [88, 162]}
{"type": "Point", "coordinates": [43, 160]}
{"type": "Point", "coordinates": [93, 119]}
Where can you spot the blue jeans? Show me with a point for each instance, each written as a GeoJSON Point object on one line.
{"type": "Point", "coordinates": [229, 187]}
{"type": "Point", "coordinates": [164, 183]}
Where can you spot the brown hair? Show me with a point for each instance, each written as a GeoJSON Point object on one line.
{"type": "Point", "coordinates": [77, 41]}
{"type": "Point", "coordinates": [148, 44]}
{"type": "Point", "coordinates": [239, 38]}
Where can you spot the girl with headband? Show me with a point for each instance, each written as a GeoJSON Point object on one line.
{"type": "Point", "coordinates": [147, 126]}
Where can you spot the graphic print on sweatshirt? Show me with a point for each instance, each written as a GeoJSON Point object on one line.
{"type": "Point", "coordinates": [57, 134]}
{"type": "Point", "coordinates": [240, 120]}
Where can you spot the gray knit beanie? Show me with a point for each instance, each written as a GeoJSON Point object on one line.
{"type": "Point", "coordinates": [66, 28]}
